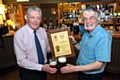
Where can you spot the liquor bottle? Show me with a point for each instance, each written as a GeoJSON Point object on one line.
{"type": "Point", "coordinates": [56, 23]}
{"type": "Point", "coordinates": [74, 14]}
{"type": "Point", "coordinates": [50, 24]}
{"type": "Point", "coordinates": [45, 24]}
{"type": "Point", "coordinates": [118, 17]}
{"type": "Point", "coordinates": [70, 15]}
{"type": "Point", "coordinates": [63, 24]}
{"type": "Point", "coordinates": [77, 14]}
{"type": "Point", "coordinates": [76, 27]}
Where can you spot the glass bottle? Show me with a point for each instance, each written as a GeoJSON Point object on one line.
{"type": "Point", "coordinates": [45, 24]}
{"type": "Point", "coordinates": [50, 24]}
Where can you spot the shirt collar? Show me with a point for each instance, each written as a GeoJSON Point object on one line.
{"type": "Point", "coordinates": [94, 31]}
{"type": "Point", "coordinates": [30, 30]}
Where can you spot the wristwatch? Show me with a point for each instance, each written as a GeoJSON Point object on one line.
{"type": "Point", "coordinates": [75, 43]}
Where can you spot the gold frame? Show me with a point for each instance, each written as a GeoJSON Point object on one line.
{"type": "Point", "coordinates": [60, 43]}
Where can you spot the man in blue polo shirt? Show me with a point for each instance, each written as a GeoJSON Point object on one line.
{"type": "Point", "coordinates": [95, 48]}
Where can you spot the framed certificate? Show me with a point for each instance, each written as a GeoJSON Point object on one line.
{"type": "Point", "coordinates": [60, 43]}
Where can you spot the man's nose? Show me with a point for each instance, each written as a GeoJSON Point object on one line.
{"type": "Point", "coordinates": [35, 19]}
{"type": "Point", "coordinates": [88, 20]}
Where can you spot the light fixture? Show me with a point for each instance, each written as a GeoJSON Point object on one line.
{"type": "Point", "coordinates": [22, 0]}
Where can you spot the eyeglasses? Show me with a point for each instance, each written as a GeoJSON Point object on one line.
{"type": "Point", "coordinates": [90, 18]}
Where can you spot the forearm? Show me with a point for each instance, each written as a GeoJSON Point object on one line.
{"type": "Point", "coordinates": [76, 44]}
{"type": "Point", "coordinates": [25, 63]}
{"type": "Point", "coordinates": [93, 66]}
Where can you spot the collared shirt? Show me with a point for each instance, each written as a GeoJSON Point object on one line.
{"type": "Point", "coordinates": [95, 46]}
{"type": "Point", "coordinates": [25, 49]}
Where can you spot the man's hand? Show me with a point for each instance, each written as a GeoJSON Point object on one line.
{"type": "Point", "coordinates": [73, 39]}
{"type": "Point", "coordinates": [48, 69]}
{"type": "Point", "coordinates": [68, 69]}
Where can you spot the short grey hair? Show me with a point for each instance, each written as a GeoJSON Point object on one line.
{"type": "Point", "coordinates": [35, 8]}
{"type": "Point", "coordinates": [93, 10]}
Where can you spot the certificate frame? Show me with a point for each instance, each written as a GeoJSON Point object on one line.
{"type": "Point", "coordinates": [66, 47]}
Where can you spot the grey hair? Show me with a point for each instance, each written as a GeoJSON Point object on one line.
{"type": "Point", "coordinates": [93, 10]}
{"type": "Point", "coordinates": [35, 8]}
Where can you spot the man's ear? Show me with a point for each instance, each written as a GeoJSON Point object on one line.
{"type": "Point", "coordinates": [25, 17]}
{"type": "Point", "coordinates": [98, 21]}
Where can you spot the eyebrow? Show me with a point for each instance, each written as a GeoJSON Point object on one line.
{"type": "Point", "coordinates": [90, 16]}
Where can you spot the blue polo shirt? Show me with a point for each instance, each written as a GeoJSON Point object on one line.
{"type": "Point", "coordinates": [95, 46]}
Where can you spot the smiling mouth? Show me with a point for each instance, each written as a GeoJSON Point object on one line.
{"type": "Point", "coordinates": [87, 25]}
